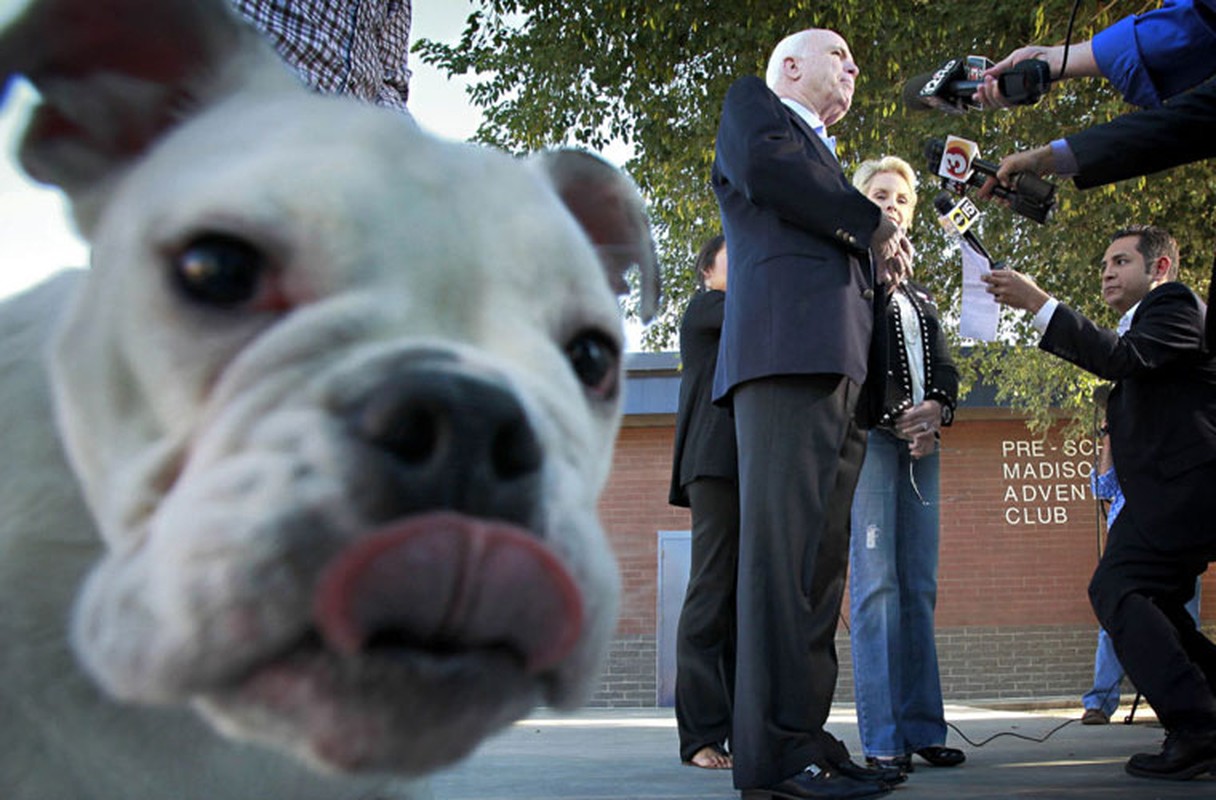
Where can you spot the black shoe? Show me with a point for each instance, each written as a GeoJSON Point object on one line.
{"type": "Point", "coordinates": [836, 756]}
{"type": "Point", "coordinates": [903, 764]}
{"type": "Point", "coordinates": [873, 774]}
{"type": "Point", "coordinates": [1182, 757]}
{"type": "Point", "coordinates": [823, 784]}
{"type": "Point", "coordinates": [940, 756]}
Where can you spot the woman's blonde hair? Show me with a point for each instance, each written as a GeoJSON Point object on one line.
{"type": "Point", "coordinates": [876, 166]}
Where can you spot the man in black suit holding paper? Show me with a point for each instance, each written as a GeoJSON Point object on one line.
{"type": "Point", "coordinates": [794, 353]}
{"type": "Point", "coordinates": [1162, 421]}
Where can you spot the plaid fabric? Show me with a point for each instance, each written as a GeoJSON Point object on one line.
{"type": "Point", "coordinates": [355, 47]}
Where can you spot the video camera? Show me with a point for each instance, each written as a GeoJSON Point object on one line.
{"type": "Point", "coordinates": [957, 161]}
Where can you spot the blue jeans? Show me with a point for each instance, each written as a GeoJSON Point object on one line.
{"type": "Point", "coordinates": [1108, 672]}
{"type": "Point", "coordinates": [892, 595]}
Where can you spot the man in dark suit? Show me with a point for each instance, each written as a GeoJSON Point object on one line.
{"type": "Point", "coordinates": [1162, 421]}
{"type": "Point", "coordinates": [794, 353]}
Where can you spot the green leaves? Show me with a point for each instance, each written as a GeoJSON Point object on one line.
{"type": "Point", "coordinates": [653, 75]}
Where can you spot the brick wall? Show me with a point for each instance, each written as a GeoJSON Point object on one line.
{"type": "Point", "coordinates": [629, 675]}
{"type": "Point", "coordinates": [1015, 550]}
{"type": "Point", "coordinates": [1018, 543]}
{"type": "Point", "coordinates": [633, 509]}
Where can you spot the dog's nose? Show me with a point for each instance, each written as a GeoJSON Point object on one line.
{"type": "Point", "coordinates": [457, 441]}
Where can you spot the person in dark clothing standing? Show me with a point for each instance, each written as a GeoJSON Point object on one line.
{"type": "Point", "coordinates": [795, 353]}
{"type": "Point", "coordinates": [703, 479]}
{"type": "Point", "coordinates": [1162, 421]}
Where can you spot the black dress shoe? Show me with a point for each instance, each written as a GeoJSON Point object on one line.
{"type": "Point", "coordinates": [1183, 756]}
{"type": "Point", "coordinates": [835, 755]}
{"type": "Point", "coordinates": [901, 763]}
{"type": "Point", "coordinates": [940, 756]}
{"type": "Point", "coordinates": [822, 784]}
{"type": "Point", "coordinates": [886, 770]}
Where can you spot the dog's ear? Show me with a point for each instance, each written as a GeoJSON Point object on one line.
{"type": "Point", "coordinates": [611, 210]}
{"type": "Point", "coordinates": [116, 75]}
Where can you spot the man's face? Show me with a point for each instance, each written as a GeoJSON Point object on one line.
{"type": "Point", "coordinates": [1126, 278]}
{"type": "Point", "coordinates": [827, 75]}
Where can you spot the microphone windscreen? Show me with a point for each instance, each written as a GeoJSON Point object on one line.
{"type": "Point", "coordinates": [912, 98]}
{"type": "Point", "coordinates": [944, 203]}
{"type": "Point", "coordinates": [934, 150]}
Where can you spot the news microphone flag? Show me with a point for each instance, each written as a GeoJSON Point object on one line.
{"type": "Point", "coordinates": [960, 217]}
{"type": "Point", "coordinates": [957, 157]}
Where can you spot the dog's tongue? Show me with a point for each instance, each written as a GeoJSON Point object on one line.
{"type": "Point", "coordinates": [446, 582]}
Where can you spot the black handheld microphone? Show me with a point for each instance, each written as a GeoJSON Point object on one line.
{"type": "Point", "coordinates": [950, 213]}
{"type": "Point", "coordinates": [1031, 196]}
{"type": "Point", "coordinates": [951, 88]}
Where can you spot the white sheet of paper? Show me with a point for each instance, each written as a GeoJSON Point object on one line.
{"type": "Point", "coordinates": [980, 312]}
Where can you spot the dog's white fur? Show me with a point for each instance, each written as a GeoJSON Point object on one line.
{"type": "Point", "coordinates": [218, 474]}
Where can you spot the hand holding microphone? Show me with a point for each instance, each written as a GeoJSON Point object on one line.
{"type": "Point", "coordinates": [956, 85]}
{"type": "Point", "coordinates": [1036, 162]}
{"type": "Point", "coordinates": [991, 91]}
{"type": "Point", "coordinates": [956, 161]}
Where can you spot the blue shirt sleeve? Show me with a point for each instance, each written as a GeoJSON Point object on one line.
{"type": "Point", "coordinates": [1106, 487]}
{"type": "Point", "coordinates": [1153, 56]}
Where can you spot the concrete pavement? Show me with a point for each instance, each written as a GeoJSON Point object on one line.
{"type": "Point", "coordinates": [632, 753]}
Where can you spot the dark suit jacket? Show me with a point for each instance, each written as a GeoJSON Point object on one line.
{"type": "Point", "coordinates": [798, 235]}
{"type": "Point", "coordinates": [705, 433]}
{"type": "Point", "coordinates": [1179, 132]}
{"type": "Point", "coordinates": [1161, 412]}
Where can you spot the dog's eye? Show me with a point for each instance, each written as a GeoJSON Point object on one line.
{"type": "Point", "coordinates": [596, 362]}
{"type": "Point", "coordinates": [220, 270]}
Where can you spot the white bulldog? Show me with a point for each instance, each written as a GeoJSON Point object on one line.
{"type": "Point", "coordinates": [338, 401]}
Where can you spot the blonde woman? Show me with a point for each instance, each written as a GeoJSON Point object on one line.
{"type": "Point", "coordinates": [893, 547]}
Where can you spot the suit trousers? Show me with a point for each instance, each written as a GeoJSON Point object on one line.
{"type": "Point", "coordinates": [1139, 592]}
{"type": "Point", "coordinates": [800, 453]}
{"type": "Point", "coordinates": [705, 637]}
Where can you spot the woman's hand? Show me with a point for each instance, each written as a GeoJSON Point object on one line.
{"type": "Point", "coordinates": [920, 425]}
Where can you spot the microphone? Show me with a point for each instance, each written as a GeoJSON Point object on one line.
{"type": "Point", "coordinates": [956, 160]}
{"type": "Point", "coordinates": [951, 88]}
{"type": "Point", "coordinates": [958, 218]}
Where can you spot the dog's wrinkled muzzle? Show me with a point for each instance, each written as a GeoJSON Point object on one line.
{"type": "Point", "coordinates": [447, 582]}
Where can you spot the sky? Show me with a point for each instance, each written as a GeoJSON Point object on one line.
{"type": "Point", "coordinates": [36, 238]}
